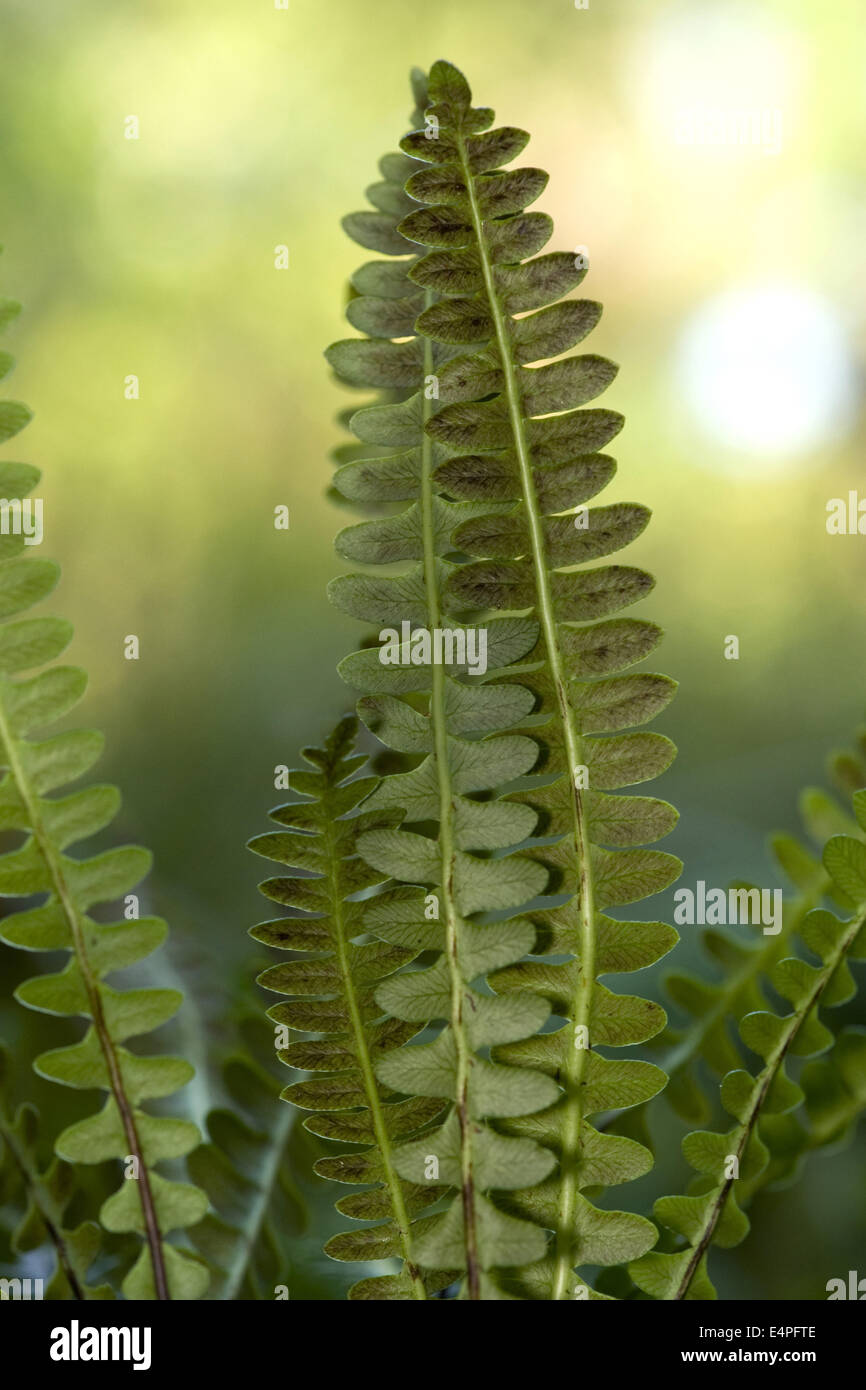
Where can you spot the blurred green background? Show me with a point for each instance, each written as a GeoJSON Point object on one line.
{"type": "Point", "coordinates": [734, 302]}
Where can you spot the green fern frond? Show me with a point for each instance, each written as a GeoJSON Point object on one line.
{"type": "Point", "coordinates": [47, 1194]}
{"type": "Point", "coordinates": [333, 995]}
{"type": "Point", "coordinates": [246, 1170]}
{"type": "Point", "coordinates": [458, 724]}
{"type": "Point", "coordinates": [148, 1204]}
{"type": "Point", "coordinates": [713, 1004]}
{"type": "Point", "coordinates": [511, 441]}
{"type": "Point", "coordinates": [730, 1163]}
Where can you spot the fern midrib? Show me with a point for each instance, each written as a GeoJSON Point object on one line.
{"type": "Point", "coordinates": [33, 1183]}
{"type": "Point", "coordinates": [582, 998]}
{"type": "Point", "coordinates": [153, 1235]}
{"type": "Point", "coordinates": [380, 1129]}
{"type": "Point", "coordinates": [447, 850]}
{"type": "Point", "coordinates": [767, 1076]}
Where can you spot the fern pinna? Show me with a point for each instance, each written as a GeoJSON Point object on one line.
{"type": "Point", "coordinates": [146, 1203]}
{"type": "Point", "coordinates": [497, 460]}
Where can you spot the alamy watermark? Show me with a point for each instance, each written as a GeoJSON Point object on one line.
{"type": "Point", "coordinates": [715, 907]}
{"type": "Point", "coordinates": [25, 1289]}
{"type": "Point", "coordinates": [439, 646]}
{"type": "Point", "coordinates": [854, 1288]}
{"type": "Point", "coordinates": [22, 517]}
{"type": "Point", "coordinates": [846, 516]}
{"type": "Point", "coordinates": [77, 1343]}
{"type": "Point", "coordinates": [719, 127]}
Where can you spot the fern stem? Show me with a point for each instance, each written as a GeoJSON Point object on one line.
{"type": "Point", "coordinates": [582, 1001]}
{"type": "Point", "coordinates": [759, 1095]}
{"type": "Point", "coordinates": [380, 1129]}
{"type": "Point", "coordinates": [53, 862]}
{"type": "Point", "coordinates": [446, 849]}
{"type": "Point", "coordinates": [31, 1179]}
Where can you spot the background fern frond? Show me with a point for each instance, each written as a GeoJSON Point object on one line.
{"type": "Point", "coordinates": [47, 1194]}
{"type": "Point", "coordinates": [247, 1170]}
{"type": "Point", "coordinates": [730, 1164]}
{"type": "Point", "coordinates": [331, 982]}
{"type": "Point", "coordinates": [715, 1004]}
{"type": "Point", "coordinates": [149, 1203]}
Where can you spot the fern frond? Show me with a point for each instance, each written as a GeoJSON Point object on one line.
{"type": "Point", "coordinates": [333, 995]}
{"type": "Point", "coordinates": [147, 1203]}
{"type": "Point", "coordinates": [511, 440]}
{"type": "Point", "coordinates": [47, 1194]}
{"type": "Point", "coordinates": [458, 724]}
{"type": "Point", "coordinates": [729, 1163]}
{"type": "Point", "coordinates": [246, 1169]}
{"type": "Point", "coordinates": [713, 1004]}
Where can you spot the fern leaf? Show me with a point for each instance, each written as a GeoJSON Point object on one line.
{"type": "Point", "coordinates": [149, 1204]}
{"type": "Point", "coordinates": [47, 1193]}
{"type": "Point", "coordinates": [729, 1163]}
{"type": "Point", "coordinates": [460, 729]}
{"type": "Point", "coordinates": [246, 1169]}
{"type": "Point", "coordinates": [332, 993]}
{"type": "Point", "coordinates": [513, 440]}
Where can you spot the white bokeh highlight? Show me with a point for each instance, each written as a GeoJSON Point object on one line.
{"type": "Point", "coordinates": [766, 372]}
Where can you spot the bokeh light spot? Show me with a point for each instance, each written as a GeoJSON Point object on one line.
{"type": "Point", "coordinates": [766, 372]}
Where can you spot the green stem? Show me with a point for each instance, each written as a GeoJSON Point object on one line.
{"type": "Point", "coordinates": [446, 852]}
{"type": "Point", "coordinates": [581, 1004]}
{"type": "Point", "coordinates": [54, 863]}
